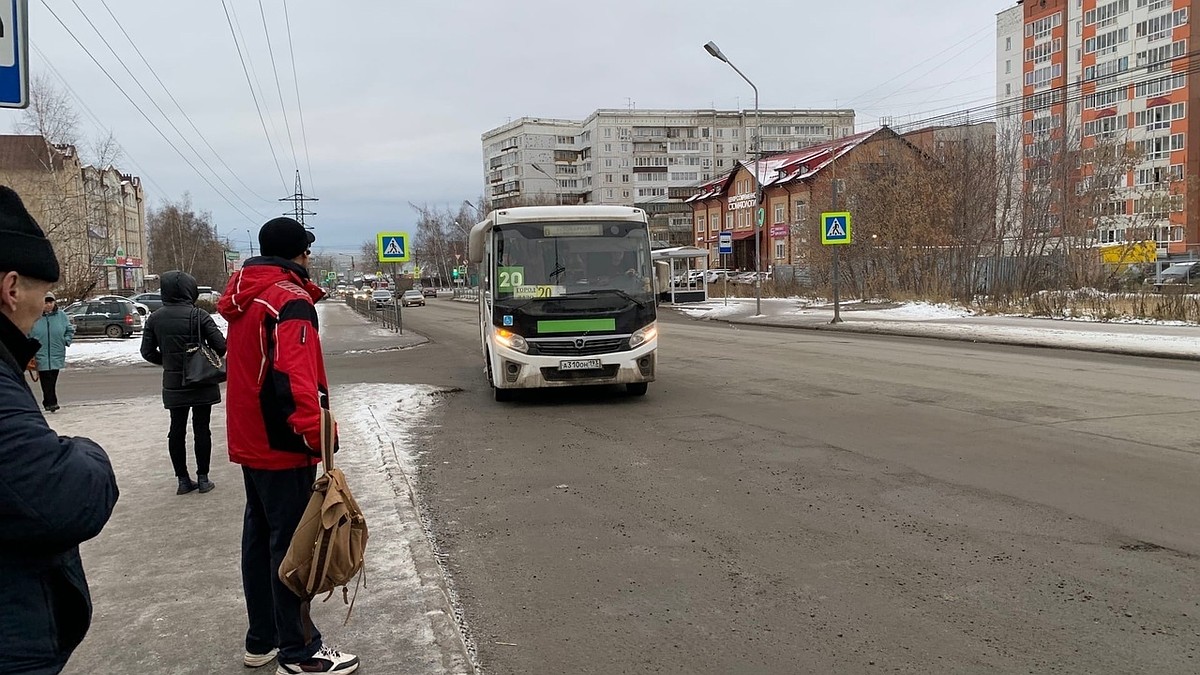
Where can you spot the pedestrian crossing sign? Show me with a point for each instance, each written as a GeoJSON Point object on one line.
{"type": "Point", "coordinates": [835, 227]}
{"type": "Point", "coordinates": [392, 247]}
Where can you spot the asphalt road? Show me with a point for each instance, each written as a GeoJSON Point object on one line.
{"type": "Point", "coordinates": [786, 501]}
{"type": "Point", "coordinates": [798, 502]}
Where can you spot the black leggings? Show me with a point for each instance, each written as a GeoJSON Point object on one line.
{"type": "Point", "coordinates": [177, 439]}
{"type": "Point", "coordinates": [49, 381]}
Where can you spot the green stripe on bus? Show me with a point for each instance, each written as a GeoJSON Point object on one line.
{"type": "Point", "coordinates": [576, 325]}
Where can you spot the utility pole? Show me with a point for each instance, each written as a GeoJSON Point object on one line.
{"type": "Point", "coordinates": [298, 200]}
{"type": "Point", "coordinates": [251, 238]}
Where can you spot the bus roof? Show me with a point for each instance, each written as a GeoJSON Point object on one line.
{"type": "Point", "coordinates": [525, 214]}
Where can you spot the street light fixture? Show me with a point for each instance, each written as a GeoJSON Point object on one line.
{"type": "Point", "coordinates": [716, 53]}
{"type": "Point", "coordinates": [251, 236]}
{"type": "Point", "coordinates": [556, 185]}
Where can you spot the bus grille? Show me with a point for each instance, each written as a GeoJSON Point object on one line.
{"type": "Point", "coordinates": [579, 346]}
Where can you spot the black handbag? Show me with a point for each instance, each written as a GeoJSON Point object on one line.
{"type": "Point", "coordinates": [204, 366]}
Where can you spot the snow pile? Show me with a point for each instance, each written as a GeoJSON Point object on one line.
{"type": "Point", "coordinates": [913, 311]}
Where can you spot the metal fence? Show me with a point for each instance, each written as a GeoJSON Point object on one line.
{"type": "Point", "coordinates": [466, 293]}
{"type": "Point", "coordinates": [389, 315]}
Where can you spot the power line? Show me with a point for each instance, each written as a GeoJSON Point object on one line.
{"type": "Point", "coordinates": [266, 102]}
{"type": "Point", "coordinates": [296, 81]}
{"type": "Point", "coordinates": [177, 105]}
{"type": "Point", "coordinates": [96, 119]}
{"type": "Point", "coordinates": [954, 55]}
{"type": "Point", "coordinates": [159, 108]}
{"type": "Point", "coordinates": [142, 112]}
{"type": "Point", "coordinates": [917, 65]}
{"type": "Point", "coordinates": [252, 94]}
{"type": "Point", "coordinates": [275, 70]}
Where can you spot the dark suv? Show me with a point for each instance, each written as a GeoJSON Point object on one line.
{"type": "Point", "coordinates": [112, 318]}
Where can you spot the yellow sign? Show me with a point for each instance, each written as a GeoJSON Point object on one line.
{"type": "Point", "coordinates": [1129, 254]}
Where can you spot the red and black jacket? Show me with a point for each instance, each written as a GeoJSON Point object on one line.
{"type": "Point", "coordinates": [276, 384]}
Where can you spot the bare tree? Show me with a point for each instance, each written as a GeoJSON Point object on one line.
{"type": "Point", "coordinates": [50, 113]}
{"type": "Point", "coordinates": [182, 239]}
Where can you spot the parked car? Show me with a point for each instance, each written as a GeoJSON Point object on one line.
{"type": "Point", "coordinates": [412, 298]}
{"type": "Point", "coordinates": [111, 318]}
{"type": "Point", "coordinates": [151, 300]}
{"type": "Point", "coordinates": [428, 292]}
{"type": "Point", "coordinates": [143, 310]}
{"type": "Point", "coordinates": [381, 298]}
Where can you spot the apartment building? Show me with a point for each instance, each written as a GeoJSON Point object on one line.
{"type": "Point", "coordinates": [1106, 88]}
{"type": "Point", "coordinates": [94, 217]}
{"type": "Point", "coordinates": [651, 159]}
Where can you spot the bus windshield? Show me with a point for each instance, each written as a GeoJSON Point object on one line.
{"type": "Point", "coordinates": [543, 261]}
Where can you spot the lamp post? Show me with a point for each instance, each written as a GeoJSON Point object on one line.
{"type": "Point", "coordinates": [715, 52]}
{"type": "Point", "coordinates": [251, 237]}
{"type": "Point", "coordinates": [556, 185]}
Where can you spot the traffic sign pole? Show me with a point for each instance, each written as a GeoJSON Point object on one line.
{"type": "Point", "coordinates": [836, 231]}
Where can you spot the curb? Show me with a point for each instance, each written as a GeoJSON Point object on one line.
{"type": "Point", "coordinates": [1012, 342]}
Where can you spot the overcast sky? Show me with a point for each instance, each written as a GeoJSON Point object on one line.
{"type": "Point", "coordinates": [396, 93]}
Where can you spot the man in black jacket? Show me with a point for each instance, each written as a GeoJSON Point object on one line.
{"type": "Point", "coordinates": [55, 492]}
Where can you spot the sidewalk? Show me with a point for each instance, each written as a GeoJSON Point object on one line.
{"type": "Point", "coordinates": [948, 323]}
{"type": "Point", "coordinates": [165, 574]}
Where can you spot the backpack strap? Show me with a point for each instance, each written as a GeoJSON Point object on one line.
{"type": "Point", "coordinates": [328, 429]}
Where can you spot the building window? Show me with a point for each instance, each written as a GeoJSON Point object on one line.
{"type": "Point", "coordinates": [608, 146]}
{"type": "Point", "coordinates": [608, 132]}
{"type": "Point", "coordinates": [1007, 90]}
{"type": "Point", "coordinates": [780, 209]}
{"type": "Point", "coordinates": [801, 212]}
{"type": "Point", "coordinates": [729, 220]}
{"type": "Point", "coordinates": [624, 178]}
{"type": "Point", "coordinates": [608, 178]}
{"type": "Point", "coordinates": [780, 249]}
{"type": "Point", "coordinates": [714, 222]}
{"type": "Point", "coordinates": [1008, 66]}
{"type": "Point", "coordinates": [1008, 44]}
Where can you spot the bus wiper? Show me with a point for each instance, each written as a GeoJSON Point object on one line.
{"type": "Point", "coordinates": [614, 291]}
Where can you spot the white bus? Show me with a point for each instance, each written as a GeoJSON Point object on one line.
{"type": "Point", "coordinates": [566, 298]}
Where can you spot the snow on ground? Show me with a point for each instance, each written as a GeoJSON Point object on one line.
{"type": "Point", "coordinates": [920, 319]}
{"type": "Point", "coordinates": [908, 311]}
{"type": "Point", "coordinates": [94, 353]}
{"type": "Point", "coordinates": [377, 426]}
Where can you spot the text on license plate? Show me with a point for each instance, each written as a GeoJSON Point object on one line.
{"type": "Point", "coordinates": [580, 364]}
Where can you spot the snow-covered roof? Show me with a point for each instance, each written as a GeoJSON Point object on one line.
{"type": "Point", "coordinates": [788, 166]}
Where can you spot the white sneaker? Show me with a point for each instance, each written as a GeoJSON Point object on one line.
{"type": "Point", "coordinates": [259, 660]}
{"type": "Point", "coordinates": [326, 660]}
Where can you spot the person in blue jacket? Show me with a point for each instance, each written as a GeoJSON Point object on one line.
{"type": "Point", "coordinates": [55, 491]}
{"type": "Point", "coordinates": [54, 331]}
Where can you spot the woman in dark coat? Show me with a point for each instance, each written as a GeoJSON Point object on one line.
{"type": "Point", "coordinates": [169, 333]}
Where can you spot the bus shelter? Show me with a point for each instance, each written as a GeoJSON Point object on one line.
{"type": "Point", "coordinates": [676, 281]}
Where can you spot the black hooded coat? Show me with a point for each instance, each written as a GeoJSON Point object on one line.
{"type": "Point", "coordinates": [169, 333]}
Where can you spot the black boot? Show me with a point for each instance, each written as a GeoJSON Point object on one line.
{"type": "Point", "coordinates": [204, 484]}
{"type": "Point", "coordinates": [185, 486]}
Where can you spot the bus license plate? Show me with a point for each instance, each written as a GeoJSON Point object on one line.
{"type": "Point", "coordinates": [580, 364]}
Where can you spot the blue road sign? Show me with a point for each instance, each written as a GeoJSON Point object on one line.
{"type": "Point", "coordinates": [14, 53]}
{"type": "Point", "coordinates": [725, 243]}
{"type": "Point", "coordinates": [835, 227]}
{"type": "Point", "coordinates": [392, 247]}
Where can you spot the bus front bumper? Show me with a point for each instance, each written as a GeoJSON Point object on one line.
{"type": "Point", "coordinates": [512, 369]}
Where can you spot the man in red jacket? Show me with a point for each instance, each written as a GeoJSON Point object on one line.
{"type": "Point", "coordinates": [276, 390]}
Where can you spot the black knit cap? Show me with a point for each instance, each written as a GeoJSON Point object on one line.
{"type": "Point", "coordinates": [284, 238]}
{"type": "Point", "coordinates": [24, 248]}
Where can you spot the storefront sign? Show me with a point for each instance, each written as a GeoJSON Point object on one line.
{"type": "Point", "coordinates": [742, 201]}
{"type": "Point", "coordinates": [779, 231]}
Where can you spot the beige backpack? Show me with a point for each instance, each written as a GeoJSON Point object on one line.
{"type": "Point", "coordinates": [327, 549]}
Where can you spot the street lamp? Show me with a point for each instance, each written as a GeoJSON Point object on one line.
{"type": "Point", "coordinates": [715, 52]}
{"type": "Point", "coordinates": [556, 185]}
{"type": "Point", "coordinates": [251, 236]}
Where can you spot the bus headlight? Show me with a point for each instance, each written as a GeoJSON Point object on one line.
{"type": "Point", "coordinates": [507, 338]}
{"type": "Point", "coordinates": [643, 335]}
